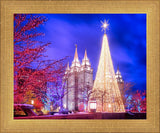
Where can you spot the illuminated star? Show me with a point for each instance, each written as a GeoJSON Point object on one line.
{"type": "Point", "coordinates": [104, 25]}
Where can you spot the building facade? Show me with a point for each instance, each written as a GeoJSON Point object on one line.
{"type": "Point", "coordinates": [78, 79]}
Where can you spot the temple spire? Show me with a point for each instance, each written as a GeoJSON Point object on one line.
{"type": "Point", "coordinates": [85, 61]}
{"type": "Point", "coordinates": [118, 72]}
{"type": "Point", "coordinates": [76, 53]}
{"type": "Point", "coordinates": [75, 62]}
{"type": "Point", "coordinates": [67, 69]}
{"type": "Point", "coordinates": [85, 55]}
{"type": "Point", "coordinates": [118, 75]}
{"type": "Point", "coordinates": [67, 66]}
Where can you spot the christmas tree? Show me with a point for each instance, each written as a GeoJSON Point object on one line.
{"type": "Point", "coordinates": [107, 93]}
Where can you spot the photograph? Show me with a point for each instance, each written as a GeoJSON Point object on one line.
{"type": "Point", "coordinates": [80, 66]}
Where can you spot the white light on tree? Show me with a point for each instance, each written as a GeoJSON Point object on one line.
{"type": "Point", "coordinates": [105, 85]}
{"type": "Point", "coordinates": [32, 101]}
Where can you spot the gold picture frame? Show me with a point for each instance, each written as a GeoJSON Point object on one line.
{"type": "Point", "coordinates": [150, 7]}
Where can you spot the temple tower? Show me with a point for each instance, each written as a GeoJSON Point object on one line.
{"type": "Point", "coordinates": [77, 78]}
{"type": "Point", "coordinates": [119, 79]}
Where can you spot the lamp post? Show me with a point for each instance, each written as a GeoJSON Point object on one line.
{"type": "Point", "coordinates": [92, 106]}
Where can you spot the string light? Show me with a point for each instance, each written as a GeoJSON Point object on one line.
{"type": "Point", "coordinates": [105, 81]}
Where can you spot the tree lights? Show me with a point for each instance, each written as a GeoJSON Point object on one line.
{"type": "Point", "coordinates": [31, 73]}
{"type": "Point", "coordinates": [105, 81]}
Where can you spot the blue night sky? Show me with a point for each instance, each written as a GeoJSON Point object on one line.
{"type": "Point", "coordinates": [126, 34]}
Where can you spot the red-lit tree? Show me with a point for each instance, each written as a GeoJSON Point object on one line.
{"type": "Point", "coordinates": [143, 102]}
{"type": "Point", "coordinates": [138, 102]}
{"type": "Point", "coordinates": [31, 71]}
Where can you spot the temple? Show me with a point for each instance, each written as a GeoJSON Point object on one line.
{"type": "Point", "coordinates": [79, 81]}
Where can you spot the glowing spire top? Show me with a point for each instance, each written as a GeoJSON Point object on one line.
{"type": "Point", "coordinates": [85, 55]}
{"type": "Point", "coordinates": [67, 69]}
{"type": "Point", "coordinates": [76, 54]}
{"type": "Point", "coordinates": [75, 62]}
{"type": "Point", "coordinates": [67, 66]}
{"type": "Point", "coordinates": [118, 75]}
{"type": "Point", "coordinates": [104, 25]}
{"type": "Point", "coordinates": [85, 61]}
